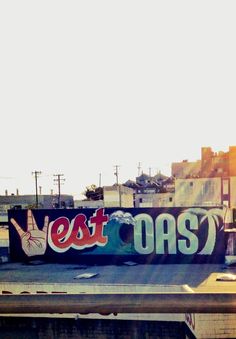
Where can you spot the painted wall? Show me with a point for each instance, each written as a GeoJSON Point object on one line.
{"type": "Point", "coordinates": [173, 235]}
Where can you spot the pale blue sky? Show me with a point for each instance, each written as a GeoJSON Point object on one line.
{"type": "Point", "coordinates": [86, 85]}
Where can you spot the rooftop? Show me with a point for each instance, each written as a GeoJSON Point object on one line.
{"type": "Point", "coordinates": [195, 276]}
{"type": "Point", "coordinates": [175, 277]}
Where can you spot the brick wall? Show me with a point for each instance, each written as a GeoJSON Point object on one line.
{"type": "Point", "coordinates": [212, 325]}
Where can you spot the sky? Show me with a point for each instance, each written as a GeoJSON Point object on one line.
{"type": "Point", "coordinates": [88, 85]}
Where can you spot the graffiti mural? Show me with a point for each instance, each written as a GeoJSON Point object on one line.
{"type": "Point", "coordinates": [159, 235]}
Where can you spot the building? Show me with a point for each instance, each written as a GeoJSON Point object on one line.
{"type": "Point", "coordinates": [198, 192]}
{"type": "Point", "coordinates": [27, 201]}
{"type": "Point", "coordinates": [146, 184]}
{"type": "Point", "coordinates": [88, 203]}
{"type": "Point", "coordinates": [113, 196]}
{"type": "Point", "coordinates": [152, 191]}
{"type": "Point", "coordinates": [211, 164]}
{"type": "Point", "coordinates": [208, 181]}
{"type": "Point", "coordinates": [154, 200]}
{"type": "Point", "coordinates": [214, 164]}
{"type": "Point", "coordinates": [118, 196]}
{"type": "Point", "coordinates": [186, 169]}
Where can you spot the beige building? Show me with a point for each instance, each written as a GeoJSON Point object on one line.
{"type": "Point", "coordinates": [144, 200]}
{"type": "Point", "coordinates": [205, 192]}
{"type": "Point", "coordinates": [113, 196]}
{"type": "Point", "coordinates": [118, 196]}
{"type": "Point", "coordinates": [198, 192]}
{"type": "Point", "coordinates": [164, 200]}
{"type": "Point", "coordinates": [155, 200]}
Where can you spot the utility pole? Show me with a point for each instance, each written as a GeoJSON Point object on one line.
{"type": "Point", "coordinates": [100, 180]}
{"type": "Point", "coordinates": [117, 182]}
{"type": "Point", "coordinates": [116, 173]}
{"type": "Point", "coordinates": [139, 168]}
{"type": "Point", "coordinates": [36, 174]}
{"type": "Point", "coordinates": [59, 180]}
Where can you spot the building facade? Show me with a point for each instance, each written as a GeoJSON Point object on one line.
{"type": "Point", "coordinates": [212, 164]}
{"type": "Point", "coordinates": [118, 196]}
{"type": "Point", "coordinates": [198, 192]}
{"type": "Point", "coordinates": [186, 169]}
{"type": "Point", "coordinates": [154, 200]}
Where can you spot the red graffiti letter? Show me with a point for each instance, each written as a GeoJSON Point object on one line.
{"type": "Point", "coordinates": [98, 221]}
{"type": "Point", "coordinates": [59, 232]}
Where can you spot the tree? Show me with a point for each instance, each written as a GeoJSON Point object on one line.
{"type": "Point", "coordinates": [93, 192]}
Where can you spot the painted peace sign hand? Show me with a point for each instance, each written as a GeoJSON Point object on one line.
{"type": "Point", "coordinates": [33, 241]}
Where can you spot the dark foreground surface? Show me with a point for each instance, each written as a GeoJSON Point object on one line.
{"type": "Point", "coordinates": [38, 328]}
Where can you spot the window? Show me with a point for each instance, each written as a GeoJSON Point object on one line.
{"type": "Point", "coordinates": [208, 188]}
